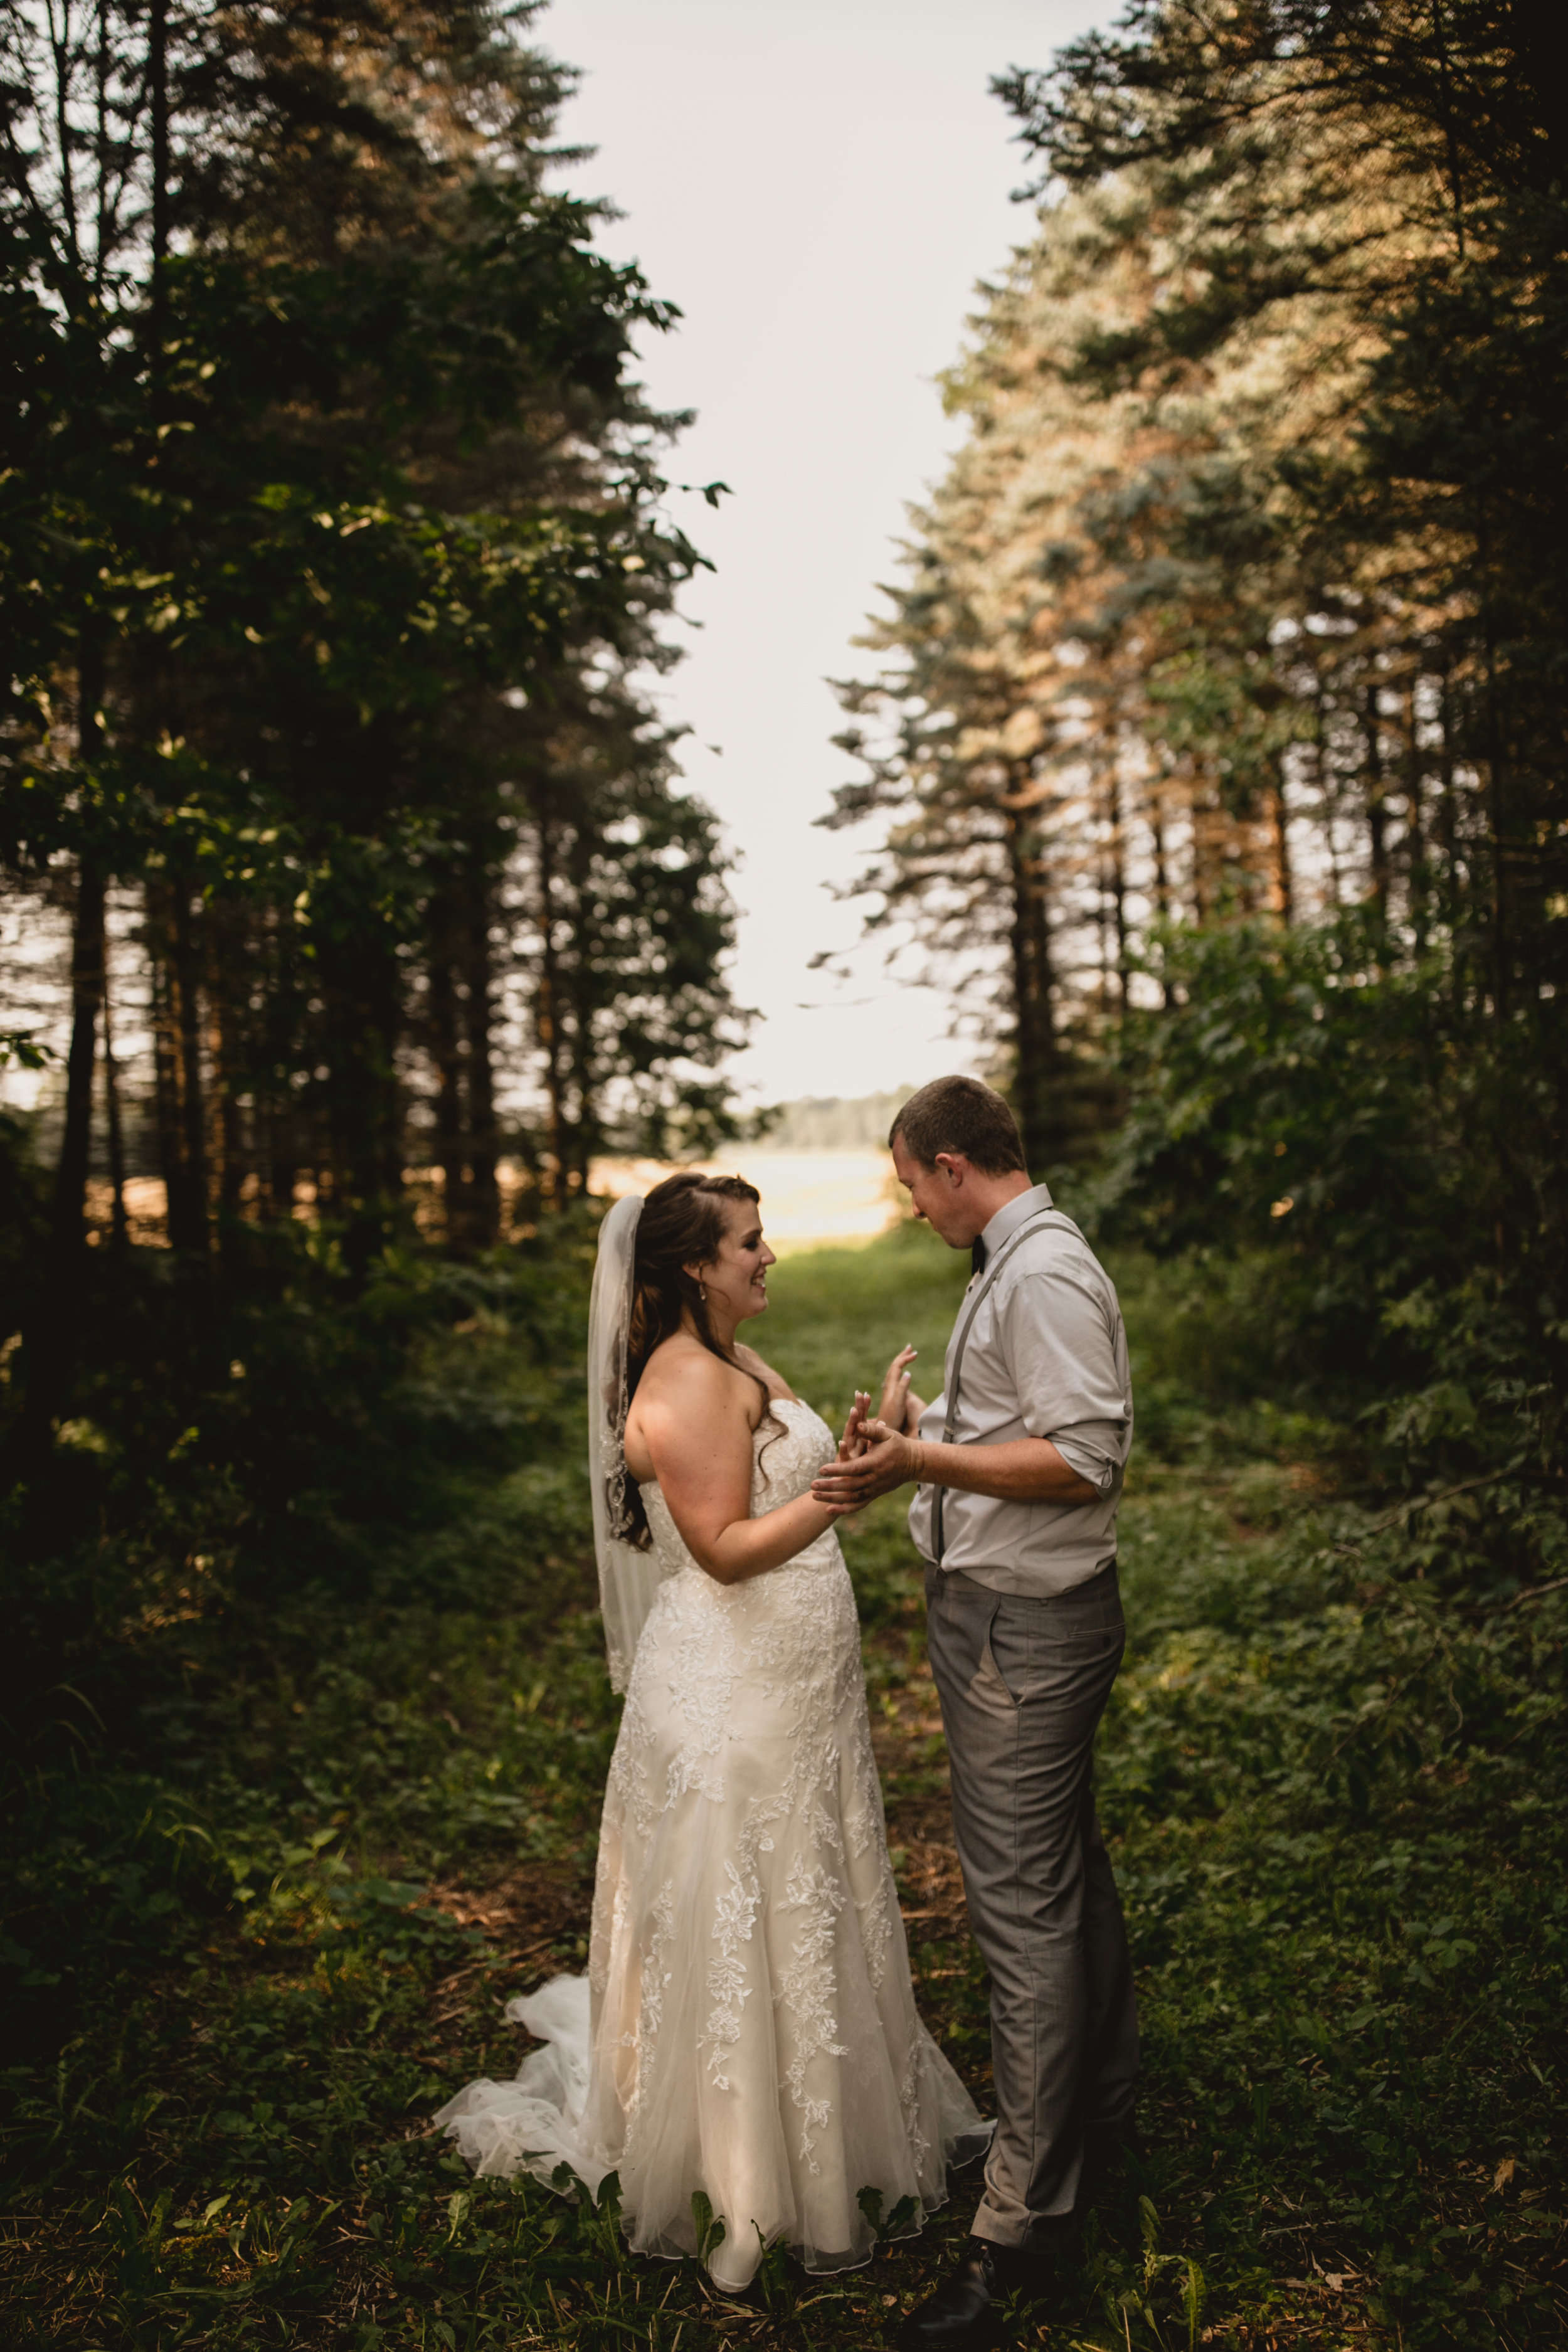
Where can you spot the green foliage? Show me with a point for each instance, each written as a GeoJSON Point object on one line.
{"type": "Point", "coordinates": [1246, 589]}
{"type": "Point", "coordinates": [238, 1977]}
{"type": "Point", "coordinates": [1372, 1189]}
{"type": "Point", "coordinates": [332, 539]}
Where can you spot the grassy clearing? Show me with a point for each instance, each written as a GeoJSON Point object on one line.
{"type": "Point", "coordinates": [263, 1927]}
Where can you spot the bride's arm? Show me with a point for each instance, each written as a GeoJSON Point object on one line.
{"type": "Point", "coordinates": [698, 1432]}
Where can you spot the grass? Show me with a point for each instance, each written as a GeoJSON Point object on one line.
{"type": "Point", "coordinates": [264, 1922]}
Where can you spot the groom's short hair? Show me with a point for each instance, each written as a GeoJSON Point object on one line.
{"type": "Point", "coordinates": [959, 1115]}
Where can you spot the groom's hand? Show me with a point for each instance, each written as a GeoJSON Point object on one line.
{"type": "Point", "coordinates": [891, 1460]}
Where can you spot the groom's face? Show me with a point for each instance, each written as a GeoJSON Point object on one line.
{"type": "Point", "coordinates": [942, 1196]}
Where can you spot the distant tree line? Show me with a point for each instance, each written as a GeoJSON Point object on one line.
{"type": "Point", "coordinates": [330, 543]}
{"type": "Point", "coordinates": [1243, 610]}
{"type": "Point", "coordinates": [833, 1122]}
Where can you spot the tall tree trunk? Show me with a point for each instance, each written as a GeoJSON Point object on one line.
{"type": "Point", "coordinates": [1376, 800]}
{"type": "Point", "coordinates": [158, 109]}
{"type": "Point", "coordinates": [282, 1159]}
{"type": "Point", "coordinates": [363, 1016]}
{"type": "Point", "coordinates": [1202, 849]}
{"type": "Point", "coordinates": [226, 1127]}
{"type": "Point", "coordinates": [1033, 992]}
{"type": "Point", "coordinates": [58, 1315]}
{"type": "Point", "coordinates": [1448, 832]}
{"type": "Point", "coordinates": [86, 988]}
{"type": "Point", "coordinates": [484, 1190]}
{"type": "Point", "coordinates": [1328, 794]}
{"type": "Point", "coordinates": [1417, 876]}
{"type": "Point", "coordinates": [87, 999]}
{"type": "Point", "coordinates": [1497, 817]}
{"type": "Point", "coordinates": [547, 1015]}
{"type": "Point", "coordinates": [445, 1052]}
{"type": "Point", "coordinates": [280, 1130]}
{"type": "Point", "coordinates": [1280, 836]}
{"type": "Point", "coordinates": [120, 1229]}
{"type": "Point", "coordinates": [387, 1099]}
{"type": "Point", "coordinates": [165, 1062]}
{"type": "Point", "coordinates": [1118, 883]}
{"type": "Point", "coordinates": [176, 1061]}
{"type": "Point", "coordinates": [193, 1119]}
{"type": "Point", "coordinates": [1162, 870]}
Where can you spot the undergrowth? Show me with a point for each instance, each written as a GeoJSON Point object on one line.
{"type": "Point", "coordinates": [287, 1819]}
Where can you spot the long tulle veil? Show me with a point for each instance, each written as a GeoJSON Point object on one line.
{"type": "Point", "coordinates": [629, 1578]}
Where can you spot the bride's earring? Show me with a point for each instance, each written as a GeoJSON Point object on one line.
{"type": "Point", "coordinates": [702, 1292]}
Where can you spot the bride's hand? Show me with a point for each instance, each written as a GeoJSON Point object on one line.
{"type": "Point", "coordinates": [852, 1444]}
{"type": "Point", "coordinates": [894, 1409]}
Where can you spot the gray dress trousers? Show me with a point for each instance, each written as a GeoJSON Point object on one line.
{"type": "Point", "coordinates": [1023, 1682]}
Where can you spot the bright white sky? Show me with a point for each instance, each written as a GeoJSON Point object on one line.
{"type": "Point", "coordinates": [818, 187]}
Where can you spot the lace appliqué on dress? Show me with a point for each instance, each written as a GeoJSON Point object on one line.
{"type": "Point", "coordinates": [753, 2028]}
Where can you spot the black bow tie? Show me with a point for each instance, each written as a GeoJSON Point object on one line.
{"type": "Point", "coordinates": [977, 1256]}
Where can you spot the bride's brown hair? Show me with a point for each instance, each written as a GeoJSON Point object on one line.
{"type": "Point", "coordinates": [682, 1225]}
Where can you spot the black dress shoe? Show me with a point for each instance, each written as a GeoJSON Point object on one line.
{"type": "Point", "coordinates": [961, 2315]}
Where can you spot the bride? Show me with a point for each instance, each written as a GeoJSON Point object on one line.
{"type": "Point", "coordinates": [747, 2028]}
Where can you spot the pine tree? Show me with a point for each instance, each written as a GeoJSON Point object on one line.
{"type": "Point", "coordinates": [328, 463]}
{"type": "Point", "coordinates": [1246, 561]}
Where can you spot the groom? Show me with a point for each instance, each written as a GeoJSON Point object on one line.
{"type": "Point", "coordinates": [1019, 1464]}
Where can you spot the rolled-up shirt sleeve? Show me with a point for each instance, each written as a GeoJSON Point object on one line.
{"type": "Point", "coordinates": [1093, 1450]}
{"type": "Point", "coordinates": [1062, 1352]}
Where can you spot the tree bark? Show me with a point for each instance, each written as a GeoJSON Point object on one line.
{"type": "Point", "coordinates": [445, 1052]}
{"type": "Point", "coordinates": [1034, 1044]}
{"type": "Point", "coordinates": [158, 109]}
{"type": "Point", "coordinates": [193, 1119]}
{"type": "Point", "coordinates": [1328, 794]}
{"type": "Point", "coordinates": [165, 1062]}
{"type": "Point", "coordinates": [1279, 835]}
{"type": "Point", "coordinates": [547, 1015]}
{"type": "Point", "coordinates": [58, 1315]}
{"type": "Point", "coordinates": [226, 1134]}
{"type": "Point", "coordinates": [1118, 884]}
{"type": "Point", "coordinates": [87, 999]}
{"type": "Point", "coordinates": [120, 1228]}
{"type": "Point", "coordinates": [279, 1131]}
{"type": "Point", "coordinates": [87, 990]}
{"type": "Point", "coordinates": [1162, 874]}
{"type": "Point", "coordinates": [484, 1190]}
{"type": "Point", "coordinates": [1417, 877]}
{"type": "Point", "coordinates": [1376, 800]}
{"type": "Point", "coordinates": [1446, 827]}
{"type": "Point", "coordinates": [176, 1060]}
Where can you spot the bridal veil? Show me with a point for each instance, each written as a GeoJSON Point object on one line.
{"type": "Point", "coordinates": [629, 1578]}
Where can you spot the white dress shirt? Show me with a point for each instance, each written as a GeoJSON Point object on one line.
{"type": "Point", "coordinates": [1047, 1357]}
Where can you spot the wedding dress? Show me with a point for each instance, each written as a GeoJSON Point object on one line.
{"type": "Point", "coordinates": [747, 2027]}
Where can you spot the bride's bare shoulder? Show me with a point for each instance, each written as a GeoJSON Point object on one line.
{"type": "Point", "coordinates": [684, 1376]}
{"type": "Point", "coordinates": [684, 1386]}
{"type": "Point", "coordinates": [777, 1384]}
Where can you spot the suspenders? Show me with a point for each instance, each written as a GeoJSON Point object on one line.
{"type": "Point", "coordinates": [1032, 1226]}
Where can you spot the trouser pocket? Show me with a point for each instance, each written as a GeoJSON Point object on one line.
{"type": "Point", "coordinates": [1040, 1653]}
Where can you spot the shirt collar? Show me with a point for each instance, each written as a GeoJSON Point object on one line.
{"type": "Point", "coordinates": [1013, 1213]}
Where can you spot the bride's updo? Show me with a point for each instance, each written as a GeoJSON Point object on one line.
{"type": "Point", "coordinates": [682, 1224]}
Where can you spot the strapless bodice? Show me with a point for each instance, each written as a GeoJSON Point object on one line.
{"type": "Point", "coordinates": [788, 1448]}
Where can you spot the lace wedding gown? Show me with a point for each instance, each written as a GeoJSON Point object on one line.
{"type": "Point", "coordinates": [747, 2026]}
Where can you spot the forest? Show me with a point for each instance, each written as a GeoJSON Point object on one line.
{"type": "Point", "coordinates": [1210, 741]}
